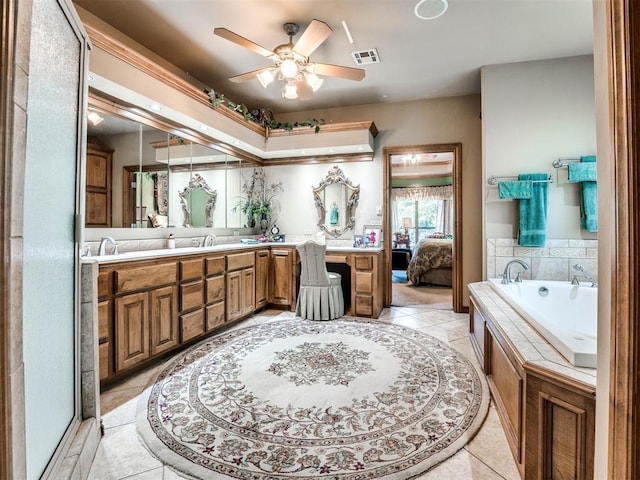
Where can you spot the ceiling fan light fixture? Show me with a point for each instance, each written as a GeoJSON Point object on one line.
{"type": "Point", "coordinates": [314, 81]}
{"type": "Point", "coordinates": [94, 118]}
{"type": "Point", "coordinates": [265, 78]}
{"type": "Point", "coordinates": [289, 68]}
{"type": "Point", "coordinates": [290, 91]}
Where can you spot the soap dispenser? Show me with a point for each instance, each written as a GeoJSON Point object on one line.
{"type": "Point", "coordinates": [171, 242]}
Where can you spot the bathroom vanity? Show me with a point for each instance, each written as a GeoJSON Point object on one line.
{"type": "Point", "coordinates": [150, 303]}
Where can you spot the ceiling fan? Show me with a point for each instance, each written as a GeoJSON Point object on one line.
{"type": "Point", "coordinates": [291, 61]}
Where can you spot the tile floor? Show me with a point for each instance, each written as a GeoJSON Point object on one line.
{"type": "Point", "coordinates": [121, 455]}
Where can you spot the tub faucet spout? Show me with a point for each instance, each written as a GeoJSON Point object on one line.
{"type": "Point", "coordinates": [506, 275]}
{"type": "Point", "coordinates": [102, 249]}
{"type": "Point", "coordinates": [578, 268]}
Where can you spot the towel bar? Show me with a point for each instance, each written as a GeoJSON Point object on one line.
{"type": "Point", "coordinates": [559, 163]}
{"type": "Point", "coordinates": [494, 180]}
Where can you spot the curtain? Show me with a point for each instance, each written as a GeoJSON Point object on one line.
{"type": "Point", "coordinates": [443, 192]}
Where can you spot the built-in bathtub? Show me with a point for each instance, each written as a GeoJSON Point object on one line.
{"type": "Point", "coordinates": [564, 314]}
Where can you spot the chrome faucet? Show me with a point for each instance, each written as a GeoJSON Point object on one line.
{"type": "Point", "coordinates": [102, 249]}
{"type": "Point", "coordinates": [578, 268]}
{"type": "Point", "coordinates": [506, 275]}
{"type": "Point", "coordinates": [207, 237]}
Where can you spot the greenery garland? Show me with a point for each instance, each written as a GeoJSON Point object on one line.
{"type": "Point", "coordinates": [263, 117]}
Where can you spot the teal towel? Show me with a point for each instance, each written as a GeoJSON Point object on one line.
{"type": "Point", "coordinates": [533, 212]}
{"type": "Point", "coordinates": [582, 172]}
{"type": "Point", "coordinates": [589, 196]}
{"type": "Point", "coordinates": [515, 189]}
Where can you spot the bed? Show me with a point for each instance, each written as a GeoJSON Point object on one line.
{"type": "Point", "coordinates": [431, 263]}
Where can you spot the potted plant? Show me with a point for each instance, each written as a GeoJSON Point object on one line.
{"type": "Point", "coordinates": [257, 200]}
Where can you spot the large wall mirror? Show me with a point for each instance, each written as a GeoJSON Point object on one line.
{"type": "Point", "coordinates": [142, 176]}
{"type": "Point", "coordinates": [336, 199]}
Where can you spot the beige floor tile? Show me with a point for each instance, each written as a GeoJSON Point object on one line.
{"type": "Point", "coordinates": [462, 466]}
{"type": "Point", "coordinates": [490, 446]}
{"type": "Point", "coordinates": [124, 413]}
{"type": "Point", "coordinates": [120, 455]}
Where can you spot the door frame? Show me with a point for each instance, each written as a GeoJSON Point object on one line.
{"type": "Point", "coordinates": [456, 149]}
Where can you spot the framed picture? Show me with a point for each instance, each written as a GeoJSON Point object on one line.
{"type": "Point", "coordinates": [372, 236]}
{"type": "Point", "coordinates": [358, 241]}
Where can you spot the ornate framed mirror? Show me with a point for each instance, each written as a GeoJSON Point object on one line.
{"type": "Point", "coordinates": [336, 199]}
{"type": "Point", "coordinates": [198, 201]}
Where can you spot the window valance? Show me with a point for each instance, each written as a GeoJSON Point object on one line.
{"type": "Point", "coordinates": [442, 192]}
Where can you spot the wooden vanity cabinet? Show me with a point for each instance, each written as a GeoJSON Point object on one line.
{"type": "Point", "coordinates": [215, 292]}
{"type": "Point", "coordinates": [240, 279]}
{"type": "Point", "coordinates": [146, 320]}
{"type": "Point", "coordinates": [262, 277]}
{"type": "Point", "coordinates": [366, 275]}
{"type": "Point", "coordinates": [282, 277]}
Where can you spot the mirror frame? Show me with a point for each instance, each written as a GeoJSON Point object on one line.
{"type": "Point", "coordinates": [197, 182]}
{"type": "Point", "coordinates": [334, 176]}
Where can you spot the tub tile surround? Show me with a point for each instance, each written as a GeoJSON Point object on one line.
{"type": "Point", "coordinates": [524, 339]}
{"type": "Point", "coordinates": [554, 261]}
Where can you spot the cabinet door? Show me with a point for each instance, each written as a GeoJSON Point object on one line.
{"type": "Point", "coordinates": [98, 187]}
{"type": "Point", "coordinates": [164, 329]}
{"type": "Point", "coordinates": [233, 296]}
{"type": "Point", "coordinates": [262, 278]}
{"type": "Point", "coordinates": [247, 291]}
{"type": "Point", "coordinates": [281, 291]}
{"type": "Point", "coordinates": [132, 330]}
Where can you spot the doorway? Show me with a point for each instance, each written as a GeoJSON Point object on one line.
{"type": "Point", "coordinates": [422, 230]}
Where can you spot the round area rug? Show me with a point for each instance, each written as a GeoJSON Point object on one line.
{"type": "Point", "coordinates": [346, 399]}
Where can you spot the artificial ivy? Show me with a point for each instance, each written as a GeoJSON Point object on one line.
{"type": "Point", "coordinates": [263, 117]}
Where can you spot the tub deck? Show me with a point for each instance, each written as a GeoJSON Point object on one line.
{"type": "Point", "coordinates": [529, 344]}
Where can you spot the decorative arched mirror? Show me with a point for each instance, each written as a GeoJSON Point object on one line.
{"type": "Point", "coordinates": [336, 199]}
{"type": "Point", "coordinates": [198, 202]}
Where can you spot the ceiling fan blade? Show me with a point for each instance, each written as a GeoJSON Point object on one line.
{"type": "Point", "coordinates": [316, 33]}
{"type": "Point", "coordinates": [305, 92]}
{"type": "Point", "coordinates": [249, 75]}
{"type": "Point", "coordinates": [243, 42]}
{"type": "Point", "coordinates": [338, 71]}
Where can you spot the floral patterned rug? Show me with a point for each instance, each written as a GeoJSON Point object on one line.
{"type": "Point", "coordinates": [343, 400]}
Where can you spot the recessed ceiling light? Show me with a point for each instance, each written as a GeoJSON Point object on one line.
{"type": "Point", "coordinates": [155, 107]}
{"type": "Point", "coordinates": [236, 142]}
{"type": "Point", "coordinates": [91, 78]}
{"type": "Point", "coordinates": [360, 148]}
{"type": "Point", "coordinates": [430, 9]}
{"type": "Point", "coordinates": [202, 128]}
{"type": "Point", "coordinates": [303, 152]}
{"type": "Point", "coordinates": [331, 150]}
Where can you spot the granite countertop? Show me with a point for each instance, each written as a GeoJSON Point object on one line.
{"type": "Point", "coordinates": [173, 252]}
{"type": "Point", "coordinates": [525, 340]}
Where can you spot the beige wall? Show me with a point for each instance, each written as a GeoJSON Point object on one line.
{"type": "Point", "coordinates": [423, 122]}
{"type": "Point", "coordinates": [532, 114]}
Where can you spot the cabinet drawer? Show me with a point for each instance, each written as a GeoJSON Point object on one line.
{"type": "Point", "coordinates": [215, 315]}
{"type": "Point", "coordinates": [192, 325]}
{"type": "Point", "coordinates": [215, 289]}
{"type": "Point", "coordinates": [364, 282]}
{"type": "Point", "coordinates": [191, 296]}
{"type": "Point", "coordinates": [191, 269]}
{"type": "Point", "coordinates": [363, 262]}
{"type": "Point", "coordinates": [364, 305]}
{"type": "Point", "coordinates": [333, 258]}
{"type": "Point", "coordinates": [215, 265]}
{"type": "Point", "coordinates": [237, 261]}
{"type": "Point", "coordinates": [142, 277]}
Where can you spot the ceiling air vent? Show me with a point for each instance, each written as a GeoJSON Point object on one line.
{"type": "Point", "coordinates": [365, 57]}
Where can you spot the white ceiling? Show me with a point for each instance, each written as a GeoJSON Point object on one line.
{"type": "Point", "coordinates": [420, 58]}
